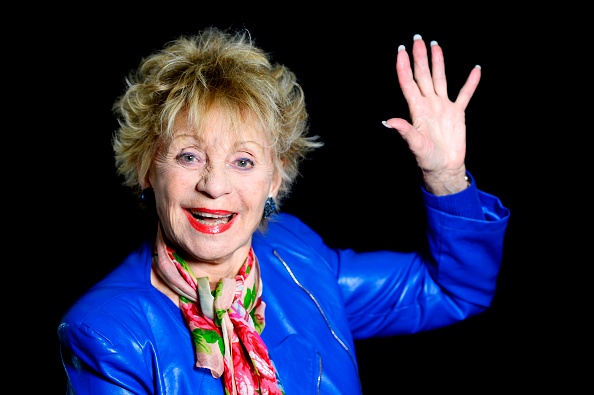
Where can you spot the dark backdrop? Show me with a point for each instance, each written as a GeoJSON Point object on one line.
{"type": "Point", "coordinates": [66, 65]}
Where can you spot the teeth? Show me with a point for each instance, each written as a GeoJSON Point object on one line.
{"type": "Point", "coordinates": [211, 223]}
{"type": "Point", "coordinates": [211, 219]}
{"type": "Point", "coordinates": [208, 215]}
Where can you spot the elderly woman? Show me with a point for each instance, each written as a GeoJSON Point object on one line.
{"type": "Point", "coordinates": [231, 296]}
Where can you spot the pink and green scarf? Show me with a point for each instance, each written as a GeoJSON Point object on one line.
{"type": "Point", "coordinates": [225, 324]}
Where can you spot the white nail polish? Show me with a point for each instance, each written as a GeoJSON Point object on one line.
{"type": "Point", "coordinates": [433, 43]}
{"type": "Point", "coordinates": [478, 66]}
{"type": "Point", "coordinates": [386, 125]}
{"type": "Point", "coordinates": [401, 48]}
{"type": "Point", "coordinates": [417, 37]}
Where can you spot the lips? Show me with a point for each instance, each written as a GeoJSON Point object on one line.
{"type": "Point", "coordinates": [210, 221]}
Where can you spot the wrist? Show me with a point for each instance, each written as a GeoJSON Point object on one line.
{"type": "Point", "coordinates": [446, 183]}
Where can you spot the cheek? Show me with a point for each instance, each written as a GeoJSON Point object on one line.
{"type": "Point", "coordinates": [171, 183]}
{"type": "Point", "coordinates": [253, 192]}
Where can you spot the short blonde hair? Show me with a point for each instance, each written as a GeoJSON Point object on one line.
{"type": "Point", "coordinates": [195, 73]}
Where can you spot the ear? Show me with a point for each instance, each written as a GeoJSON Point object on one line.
{"type": "Point", "coordinates": [144, 185]}
{"type": "Point", "coordinates": [145, 182]}
{"type": "Point", "coordinates": [276, 183]}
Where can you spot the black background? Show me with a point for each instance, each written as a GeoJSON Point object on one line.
{"type": "Point", "coordinates": [64, 65]}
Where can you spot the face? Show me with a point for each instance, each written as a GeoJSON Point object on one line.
{"type": "Point", "coordinates": [210, 190]}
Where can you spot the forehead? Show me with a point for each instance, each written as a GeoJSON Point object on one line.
{"type": "Point", "coordinates": [219, 125]}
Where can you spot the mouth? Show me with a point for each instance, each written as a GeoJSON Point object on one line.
{"type": "Point", "coordinates": [211, 219]}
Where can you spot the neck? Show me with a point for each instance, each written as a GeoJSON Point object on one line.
{"type": "Point", "coordinates": [215, 270]}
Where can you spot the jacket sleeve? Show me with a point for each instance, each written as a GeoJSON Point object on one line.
{"type": "Point", "coordinates": [96, 364]}
{"type": "Point", "coordinates": [389, 293]}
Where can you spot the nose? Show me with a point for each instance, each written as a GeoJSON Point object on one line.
{"type": "Point", "coordinates": [214, 182]}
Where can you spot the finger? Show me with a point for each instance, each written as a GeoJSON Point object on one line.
{"type": "Point", "coordinates": [405, 75]}
{"type": "Point", "coordinates": [469, 86]}
{"type": "Point", "coordinates": [438, 70]}
{"type": "Point", "coordinates": [422, 71]}
{"type": "Point", "coordinates": [402, 126]}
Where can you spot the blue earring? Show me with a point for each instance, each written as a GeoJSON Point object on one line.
{"type": "Point", "coordinates": [148, 195]}
{"type": "Point", "coordinates": [269, 207]}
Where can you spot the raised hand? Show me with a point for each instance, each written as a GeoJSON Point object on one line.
{"type": "Point", "coordinates": [437, 135]}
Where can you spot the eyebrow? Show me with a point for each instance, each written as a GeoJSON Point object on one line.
{"type": "Point", "coordinates": [235, 144]}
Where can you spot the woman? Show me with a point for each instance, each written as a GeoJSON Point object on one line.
{"type": "Point", "coordinates": [229, 295]}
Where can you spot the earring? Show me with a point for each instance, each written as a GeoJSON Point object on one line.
{"type": "Point", "coordinates": [148, 195]}
{"type": "Point", "coordinates": [269, 207]}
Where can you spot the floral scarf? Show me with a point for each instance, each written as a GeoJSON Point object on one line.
{"type": "Point", "coordinates": [225, 324]}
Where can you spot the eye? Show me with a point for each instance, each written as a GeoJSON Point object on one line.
{"type": "Point", "coordinates": [244, 163]}
{"type": "Point", "coordinates": [188, 159]}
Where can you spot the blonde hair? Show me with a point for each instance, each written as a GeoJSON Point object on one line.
{"type": "Point", "coordinates": [193, 74]}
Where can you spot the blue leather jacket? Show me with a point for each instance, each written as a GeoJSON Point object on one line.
{"type": "Point", "coordinates": [126, 337]}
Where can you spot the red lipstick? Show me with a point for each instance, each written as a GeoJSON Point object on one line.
{"type": "Point", "coordinates": [210, 229]}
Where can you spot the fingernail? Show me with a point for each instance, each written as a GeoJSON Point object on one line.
{"type": "Point", "coordinates": [386, 125]}
{"type": "Point", "coordinates": [417, 37]}
{"type": "Point", "coordinates": [433, 43]}
{"type": "Point", "coordinates": [478, 66]}
{"type": "Point", "coordinates": [401, 48]}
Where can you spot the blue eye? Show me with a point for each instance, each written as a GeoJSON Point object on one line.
{"type": "Point", "coordinates": [187, 157]}
{"type": "Point", "coordinates": [244, 163]}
